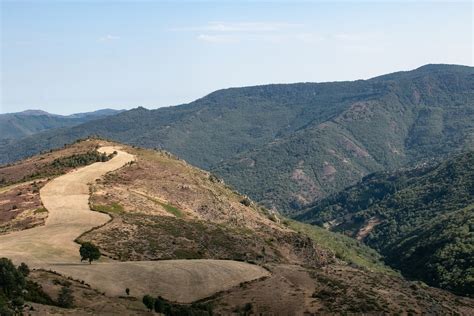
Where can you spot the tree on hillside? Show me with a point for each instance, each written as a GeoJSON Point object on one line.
{"type": "Point", "coordinates": [89, 251]}
{"type": "Point", "coordinates": [148, 301]}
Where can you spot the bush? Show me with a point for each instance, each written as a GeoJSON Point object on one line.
{"type": "Point", "coordinates": [65, 297]}
{"type": "Point", "coordinates": [24, 269]}
{"type": "Point", "coordinates": [246, 201]}
{"type": "Point", "coordinates": [149, 302]}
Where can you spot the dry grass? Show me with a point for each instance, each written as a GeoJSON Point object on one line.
{"type": "Point", "coordinates": [52, 246]}
{"type": "Point", "coordinates": [338, 290]}
{"type": "Point", "coordinates": [171, 210]}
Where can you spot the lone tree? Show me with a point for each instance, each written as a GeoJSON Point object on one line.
{"type": "Point", "coordinates": [89, 251]}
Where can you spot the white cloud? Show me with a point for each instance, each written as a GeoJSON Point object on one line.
{"type": "Point", "coordinates": [109, 38]}
{"type": "Point", "coordinates": [356, 37]}
{"type": "Point", "coordinates": [249, 26]}
{"type": "Point", "coordinates": [234, 27]}
{"type": "Point", "coordinates": [210, 38]}
{"type": "Point", "coordinates": [309, 37]}
{"type": "Point", "coordinates": [270, 32]}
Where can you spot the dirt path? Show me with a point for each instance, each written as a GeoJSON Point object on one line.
{"type": "Point", "coordinates": [52, 247]}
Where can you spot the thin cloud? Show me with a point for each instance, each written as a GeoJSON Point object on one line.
{"type": "Point", "coordinates": [233, 27]}
{"type": "Point", "coordinates": [209, 38]}
{"type": "Point", "coordinates": [356, 37]}
{"type": "Point", "coordinates": [109, 38]}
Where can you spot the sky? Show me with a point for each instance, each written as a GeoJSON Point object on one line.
{"type": "Point", "coordinates": [75, 56]}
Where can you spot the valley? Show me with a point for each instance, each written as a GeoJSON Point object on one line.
{"type": "Point", "coordinates": [169, 229]}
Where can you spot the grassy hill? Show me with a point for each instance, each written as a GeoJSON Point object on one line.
{"type": "Point", "coordinates": [420, 219]}
{"type": "Point", "coordinates": [288, 145]}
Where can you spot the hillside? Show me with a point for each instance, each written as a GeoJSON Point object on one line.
{"type": "Point", "coordinates": [420, 219]}
{"type": "Point", "coordinates": [289, 145]}
{"type": "Point", "coordinates": [161, 207]}
{"type": "Point", "coordinates": [29, 122]}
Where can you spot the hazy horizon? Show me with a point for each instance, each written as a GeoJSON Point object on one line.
{"type": "Point", "coordinates": [64, 57]}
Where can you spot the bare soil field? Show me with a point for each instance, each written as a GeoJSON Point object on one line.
{"type": "Point", "coordinates": [52, 246]}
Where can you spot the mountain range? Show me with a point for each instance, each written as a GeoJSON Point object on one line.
{"type": "Point", "coordinates": [29, 122]}
{"type": "Point", "coordinates": [288, 145]}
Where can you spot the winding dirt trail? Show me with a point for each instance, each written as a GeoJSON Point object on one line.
{"type": "Point", "coordinates": [52, 247]}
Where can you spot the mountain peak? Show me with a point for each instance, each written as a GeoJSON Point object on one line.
{"type": "Point", "coordinates": [32, 112]}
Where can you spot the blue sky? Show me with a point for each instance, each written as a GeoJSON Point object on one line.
{"type": "Point", "coordinates": [66, 57]}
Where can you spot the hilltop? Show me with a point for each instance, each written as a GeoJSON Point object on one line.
{"type": "Point", "coordinates": [421, 219]}
{"type": "Point", "coordinates": [288, 145]}
{"type": "Point", "coordinates": [165, 213]}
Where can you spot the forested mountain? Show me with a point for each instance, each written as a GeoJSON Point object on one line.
{"type": "Point", "coordinates": [21, 124]}
{"type": "Point", "coordinates": [421, 220]}
{"type": "Point", "coordinates": [289, 145]}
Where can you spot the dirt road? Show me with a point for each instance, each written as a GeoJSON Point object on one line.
{"type": "Point", "coordinates": [52, 247]}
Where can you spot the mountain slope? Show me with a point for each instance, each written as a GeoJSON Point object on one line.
{"type": "Point", "coordinates": [425, 113]}
{"type": "Point", "coordinates": [163, 208]}
{"type": "Point", "coordinates": [21, 124]}
{"type": "Point", "coordinates": [289, 145]}
{"type": "Point", "coordinates": [420, 219]}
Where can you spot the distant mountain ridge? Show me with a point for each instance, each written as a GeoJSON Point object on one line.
{"type": "Point", "coordinates": [288, 145]}
{"type": "Point", "coordinates": [21, 124]}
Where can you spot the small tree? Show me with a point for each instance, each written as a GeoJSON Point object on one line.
{"type": "Point", "coordinates": [65, 297]}
{"type": "Point", "coordinates": [149, 302]}
{"type": "Point", "coordinates": [24, 269]}
{"type": "Point", "coordinates": [89, 251]}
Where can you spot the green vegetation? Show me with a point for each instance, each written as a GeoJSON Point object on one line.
{"type": "Point", "coordinates": [149, 302]}
{"type": "Point", "coordinates": [424, 220]}
{"type": "Point", "coordinates": [345, 248]}
{"type": "Point", "coordinates": [65, 297]}
{"type": "Point", "coordinates": [168, 207]}
{"type": "Point", "coordinates": [114, 208]}
{"type": "Point", "coordinates": [171, 209]}
{"type": "Point", "coordinates": [40, 210]}
{"type": "Point", "coordinates": [160, 305]}
{"type": "Point", "coordinates": [15, 289]}
{"type": "Point", "coordinates": [288, 145]}
{"type": "Point", "coordinates": [18, 125]}
{"type": "Point", "coordinates": [89, 251]}
{"type": "Point", "coordinates": [79, 160]}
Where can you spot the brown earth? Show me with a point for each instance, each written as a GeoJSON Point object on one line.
{"type": "Point", "coordinates": [337, 290]}
{"type": "Point", "coordinates": [52, 246]}
{"type": "Point", "coordinates": [21, 206]}
{"type": "Point", "coordinates": [87, 301]}
{"type": "Point", "coordinates": [163, 208]}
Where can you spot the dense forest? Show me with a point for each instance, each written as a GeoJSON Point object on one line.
{"type": "Point", "coordinates": [422, 219]}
